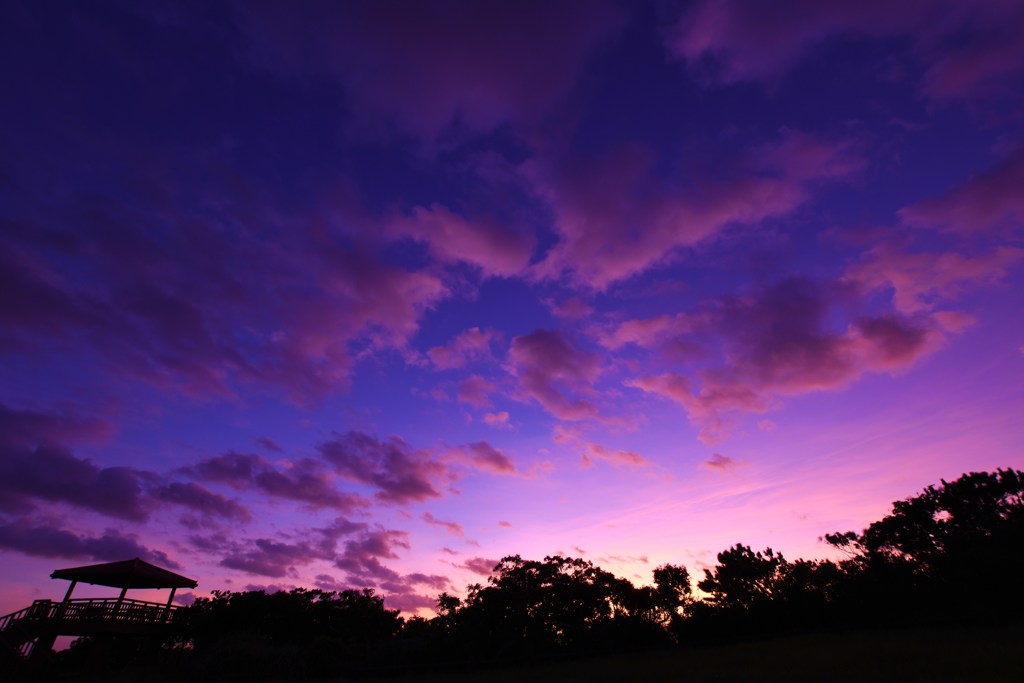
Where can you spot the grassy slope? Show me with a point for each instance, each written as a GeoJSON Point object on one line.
{"type": "Point", "coordinates": [976, 655]}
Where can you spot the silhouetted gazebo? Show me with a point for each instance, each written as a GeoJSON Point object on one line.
{"type": "Point", "coordinates": [35, 628]}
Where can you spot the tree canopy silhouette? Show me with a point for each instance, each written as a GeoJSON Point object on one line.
{"type": "Point", "coordinates": [920, 564]}
{"type": "Point", "coordinates": [931, 547]}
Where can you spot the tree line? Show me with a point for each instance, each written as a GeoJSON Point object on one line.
{"type": "Point", "coordinates": [954, 554]}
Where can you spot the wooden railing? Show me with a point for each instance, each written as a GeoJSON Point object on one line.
{"type": "Point", "coordinates": [93, 609]}
{"type": "Point", "coordinates": [43, 620]}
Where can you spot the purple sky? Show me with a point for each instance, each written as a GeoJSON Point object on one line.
{"type": "Point", "coordinates": [375, 293]}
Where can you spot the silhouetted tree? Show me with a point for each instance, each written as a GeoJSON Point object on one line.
{"type": "Point", "coordinates": [939, 542]}
{"type": "Point", "coordinates": [296, 615]}
{"type": "Point", "coordinates": [529, 608]}
{"type": "Point", "coordinates": [253, 635]}
{"type": "Point", "coordinates": [664, 601]}
{"type": "Point", "coordinates": [672, 587]}
{"type": "Point", "coordinates": [743, 579]}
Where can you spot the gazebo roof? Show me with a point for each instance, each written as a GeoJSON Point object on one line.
{"type": "Point", "coordinates": [125, 574]}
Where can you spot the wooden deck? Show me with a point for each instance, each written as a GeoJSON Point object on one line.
{"type": "Point", "coordinates": [41, 622]}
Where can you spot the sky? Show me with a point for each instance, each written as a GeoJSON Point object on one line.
{"type": "Point", "coordinates": [372, 294]}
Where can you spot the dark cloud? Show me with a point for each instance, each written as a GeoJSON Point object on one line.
{"type": "Point", "coordinates": [486, 457]}
{"type": "Point", "coordinates": [360, 557]}
{"type": "Point", "coordinates": [615, 457]}
{"type": "Point", "coordinates": [404, 593]}
{"type": "Point", "coordinates": [720, 462]}
{"type": "Point", "coordinates": [922, 281]}
{"type": "Point", "coordinates": [552, 370]}
{"type": "Point", "coordinates": [234, 469]}
{"type": "Point", "coordinates": [267, 557]}
{"type": "Point", "coordinates": [476, 390]}
{"type": "Point", "coordinates": [483, 241]}
{"type": "Point", "coordinates": [470, 345]}
{"type": "Point", "coordinates": [966, 51]}
{"type": "Point", "coordinates": [269, 444]}
{"type": "Point", "coordinates": [452, 527]}
{"type": "Point", "coordinates": [201, 499]}
{"type": "Point", "coordinates": [304, 481]}
{"type": "Point", "coordinates": [26, 429]}
{"type": "Point", "coordinates": [472, 67]}
{"type": "Point", "coordinates": [184, 598]}
{"type": "Point", "coordinates": [617, 217]}
{"type": "Point", "coordinates": [990, 202]}
{"type": "Point", "coordinates": [434, 581]}
{"type": "Point", "coordinates": [350, 546]}
{"type": "Point", "coordinates": [160, 295]}
{"type": "Point", "coordinates": [479, 565]}
{"type": "Point", "coordinates": [52, 473]}
{"type": "Point", "coordinates": [409, 602]}
{"type": "Point", "coordinates": [781, 341]}
{"type": "Point", "coordinates": [399, 593]}
{"type": "Point", "coordinates": [400, 474]}
{"type": "Point", "coordinates": [48, 541]}
{"type": "Point", "coordinates": [481, 456]}
{"type": "Point", "coordinates": [210, 543]}
{"type": "Point", "coordinates": [35, 463]}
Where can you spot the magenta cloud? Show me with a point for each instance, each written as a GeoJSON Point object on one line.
{"type": "Point", "coordinates": [572, 308]}
{"type": "Point", "coordinates": [990, 202]}
{"type": "Point", "coordinates": [747, 40]}
{"type": "Point", "coordinates": [612, 456]}
{"type": "Point", "coordinates": [196, 321]}
{"type": "Point", "coordinates": [359, 554]}
{"type": "Point", "coordinates": [304, 481]}
{"type": "Point", "coordinates": [485, 242]}
{"type": "Point", "coordinates": [201, 499]}
{"type": "Point", "coordinates": [399, 473]}
{"type": "Point", "coordinates": [481, 456]}
{"type": "Point", "coordinates": [44, 540]}
{"type": "Point", "coordinates": [479, 565]}
{"type": "Point", "coordinates": [924, 280]}
{"type": "Point", "coordinates": [266, 557]}
{"type": "Point", "coordinates": [617, 218]}
{"type": "Point", "coordinates": [556, 373]}
{"type": "Point", "coordinates": [29, 428]}
{"type": "Point", "coordinates": [470, 345]}
{"type": "Point", "coordinates": [360, 557]}
{"type": "Point", "coordinates": [35, 467]}
{"type": "Point", "coordinates": [476, 390]}
{"type": "Point", "coordinates": [499, 419]}
{"type": "Point", "coordinates": [53, 474]}
{"type": "Point", "coordinates": [451, 527]}
{"type": "Point", "coordinates": [965, 50]}
{"type": "Point", "coordinates": [779, 342]}
{"type": "Point", "coordinates": [720, 462]}
{"type": "Point", "coordinates": [486, 64]}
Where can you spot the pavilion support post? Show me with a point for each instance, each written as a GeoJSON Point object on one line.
{"type": "Point", "coordinates": [120, 599]}
{"type": "Point", "coordinates": [167, 609]}
{"type": "Point", "coordinates": [67, 598]}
